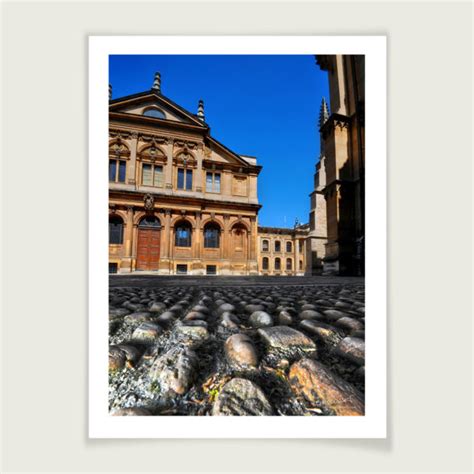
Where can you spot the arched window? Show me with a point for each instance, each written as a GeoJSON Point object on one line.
{"type": "Point", "coordinates": [265, 245]}
{"type": "Point", "coordinates": [212, 234]}
{"type": "Point", "coordinates": [289, 247]}
{"type": "Point", "coordinates": [289, 264]}
{"type": "Point", "coordinates": [265, 263]}
{"type": "Point", "coordinates": [115, 230]}
{"type": "Point", "coordinates": [156, 113]}
{"type": "Point", "coordinates": [149, 221]}
{"type": "Point", "coordinates": [277, 263]}
{"type": "Point", "coordinates": [301, 264]}
{"type": "Point", "coordinates": [277, 246]}
{"type": "Point", "coordinates": [183, 234]}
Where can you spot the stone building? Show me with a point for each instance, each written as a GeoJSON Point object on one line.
{"type": "Point", "coordinates": [180, 202]}
{"type": "Point", "coordinates": [337, 224]}
{"type": "Point", "coordinates": [282, 251]}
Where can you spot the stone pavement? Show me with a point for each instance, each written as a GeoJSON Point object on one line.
{"type": "Point", "coordinates": [290, 346]}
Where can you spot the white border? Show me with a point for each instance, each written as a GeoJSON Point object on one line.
{"type": "Point", "coordinates": [373, 424]}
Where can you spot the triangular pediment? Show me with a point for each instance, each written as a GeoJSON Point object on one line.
{"type": "Point", "coordinates": [154, 105]}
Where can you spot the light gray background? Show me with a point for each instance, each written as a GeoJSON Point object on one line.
{"type": "Point", "coordinates": [45, 229]}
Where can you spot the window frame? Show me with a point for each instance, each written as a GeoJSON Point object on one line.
{"type": "Point", "coordinates": [289, 244]}
{"type": "Point", "coordinates": [153, 166]}
{"type": "Point", "coordinates": [186, 172]}
{"type": "Point", "coordinates": [118, 162]}
{"type": "Point", "coordinates": [277, 267]}
{"type": "Point", "coordinates": [120, 222]}
{"type": "Point", "coordinates": [179, 239]}
{"type": "Point", "coordinates": [213, 175]}
{"type": "Point", "coordinates": [275, 246]}
{"type": "Point", "coordinates": [290, 262]}
{"type": "Point", "coordinates": [215, 227]}
{"type": "Point", "coordinates": [265, 241]}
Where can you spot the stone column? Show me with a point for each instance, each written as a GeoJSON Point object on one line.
{"type": "Point", "coordinates": [129, 232]}
{"type": "Point", "coordinates": [132, 172]}
{"type": "Point", "coordinates": [197, 236]}
{"type": "Point", "coordinates": [297, 256]}
{"type": "Point", "coordinates": [166, 234]}
{"type": "Point", "coordinates": [198, 172]}
{"type": "Point", "coordinates": [169, 166]}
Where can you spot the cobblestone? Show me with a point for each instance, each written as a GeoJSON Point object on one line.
{"type": "Point", "coordinates": [189, 346]}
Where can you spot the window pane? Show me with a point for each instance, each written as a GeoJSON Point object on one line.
{"type": "Point", "coordinates": [122, 169]}
{"type": "Point", "coordinates": [265, 263]}
{"type": "Point", "coordinates": [288, 247]}
{"type": "Point", "coordinates": [112, 170]}
{"type": "Point", "coordinates": [288, 264]}
{"type": "Point", "coordinates": [208, 182]}
{"type": "Point", "coordinates": [158, 181]}
{"type": "Point", "coordinates": [211, 238]}
{"type": "Point", "coordinates": [217, 183]}
{"type": "Point", "coordinates": [146, 175]}
{"type": "Point", "coordinates": [180, 179]}
{"type": "Point", "coordinates": [277, 264]}
{"type": "Point", "coordinates": [189, 179]}
{"type": "Point", "coordinates": [277, 246]}
{"type": "Point", "coordinates": [183, 237]}
{"type": "Point", "coordinates": [115, 232]}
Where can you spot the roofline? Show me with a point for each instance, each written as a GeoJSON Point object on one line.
{"type": "Point", "coordinates": [153, 92]}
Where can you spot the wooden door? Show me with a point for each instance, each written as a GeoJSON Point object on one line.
{"type": "Point", "coordinates": [148, 249]}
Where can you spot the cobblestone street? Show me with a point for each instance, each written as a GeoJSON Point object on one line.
{"type": "Point", "coordinates": [236, 345]}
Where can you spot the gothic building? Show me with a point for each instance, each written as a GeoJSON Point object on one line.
{"type": "Point", "coordinates": [180, 202]}
{"type": "Point", "coordinates": [337, 216]}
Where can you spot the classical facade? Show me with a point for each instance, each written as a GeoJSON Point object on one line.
{"type": "Point", "coordinates": [282, 251]}
{"type": "Point", "coordinates": [180, 202]}
{"type": "Point", "coordinates": [337, 217]}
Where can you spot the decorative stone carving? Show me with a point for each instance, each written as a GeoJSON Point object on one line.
{"type": "Point", "coordinates": [148, 202]}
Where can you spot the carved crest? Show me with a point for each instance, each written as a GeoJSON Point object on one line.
{"type": "Point", "coordinates": [149, 202]}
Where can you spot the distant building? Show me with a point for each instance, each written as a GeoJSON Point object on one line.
{"type": "Point", "coordinates": [337, 224]}
{"type": "Point", "coordinates": [180, 202]}
{"type": "Point", "coordinates": [282, 251]}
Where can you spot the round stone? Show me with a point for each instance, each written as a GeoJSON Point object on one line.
{"type": "Point", "coordinates": [117, 358]}
{"type": "Point", "coordinates": [146, 332]}
{"type": "Point", "coordinates": [260, 319]}
{"type": "Point", "coordinates": [241, 397]}
{"type": "Point", "coordinates": [240, 351]}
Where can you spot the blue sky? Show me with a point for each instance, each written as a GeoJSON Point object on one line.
{"type": "Point", "coordinates": [264, 106]}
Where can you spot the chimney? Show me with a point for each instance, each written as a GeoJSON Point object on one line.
{"type": "Point", "coordinates": [157, 83]}
{"type": "Point", "coordinates": [200, 113]}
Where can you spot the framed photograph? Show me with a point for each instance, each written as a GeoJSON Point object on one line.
{"type": "Point", "coordinates": [241, 215]}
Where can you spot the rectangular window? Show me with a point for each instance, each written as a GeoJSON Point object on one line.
{"type": "Point", "coordinates": [113, 267]}
{"type": "Point", "coordinates": [122, 168]}
{"type": "Point", "coordinates": [112, 170]}
{"type": "Point", "coordinates": [180, 178]}
{"type": "Point", "coordinates": [152, 175]}
{"type": "Point", "coordinates": [146, 175]}
{"type": "Point", "coordinates": [158, 177]}
{"type": "Point", "coordinates": [181, 269]}
{"type": "Point", "coordinates": [211, 270]}
{"type": "Point", "coordinates": [189, 179]}
{"type": "Point", "coordinates": [213, 182]}
{"type": "Point", "coordinates": [185, 179]}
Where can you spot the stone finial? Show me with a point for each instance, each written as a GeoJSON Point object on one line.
{"type": "Point", "coordinates": [110, 91]}
{"type": "Point", "coordinates": [200, 113]}
{"type": "Point", "coordinates": [157, 83]}
{"type": "Point", "coordinates": [323, 113]}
